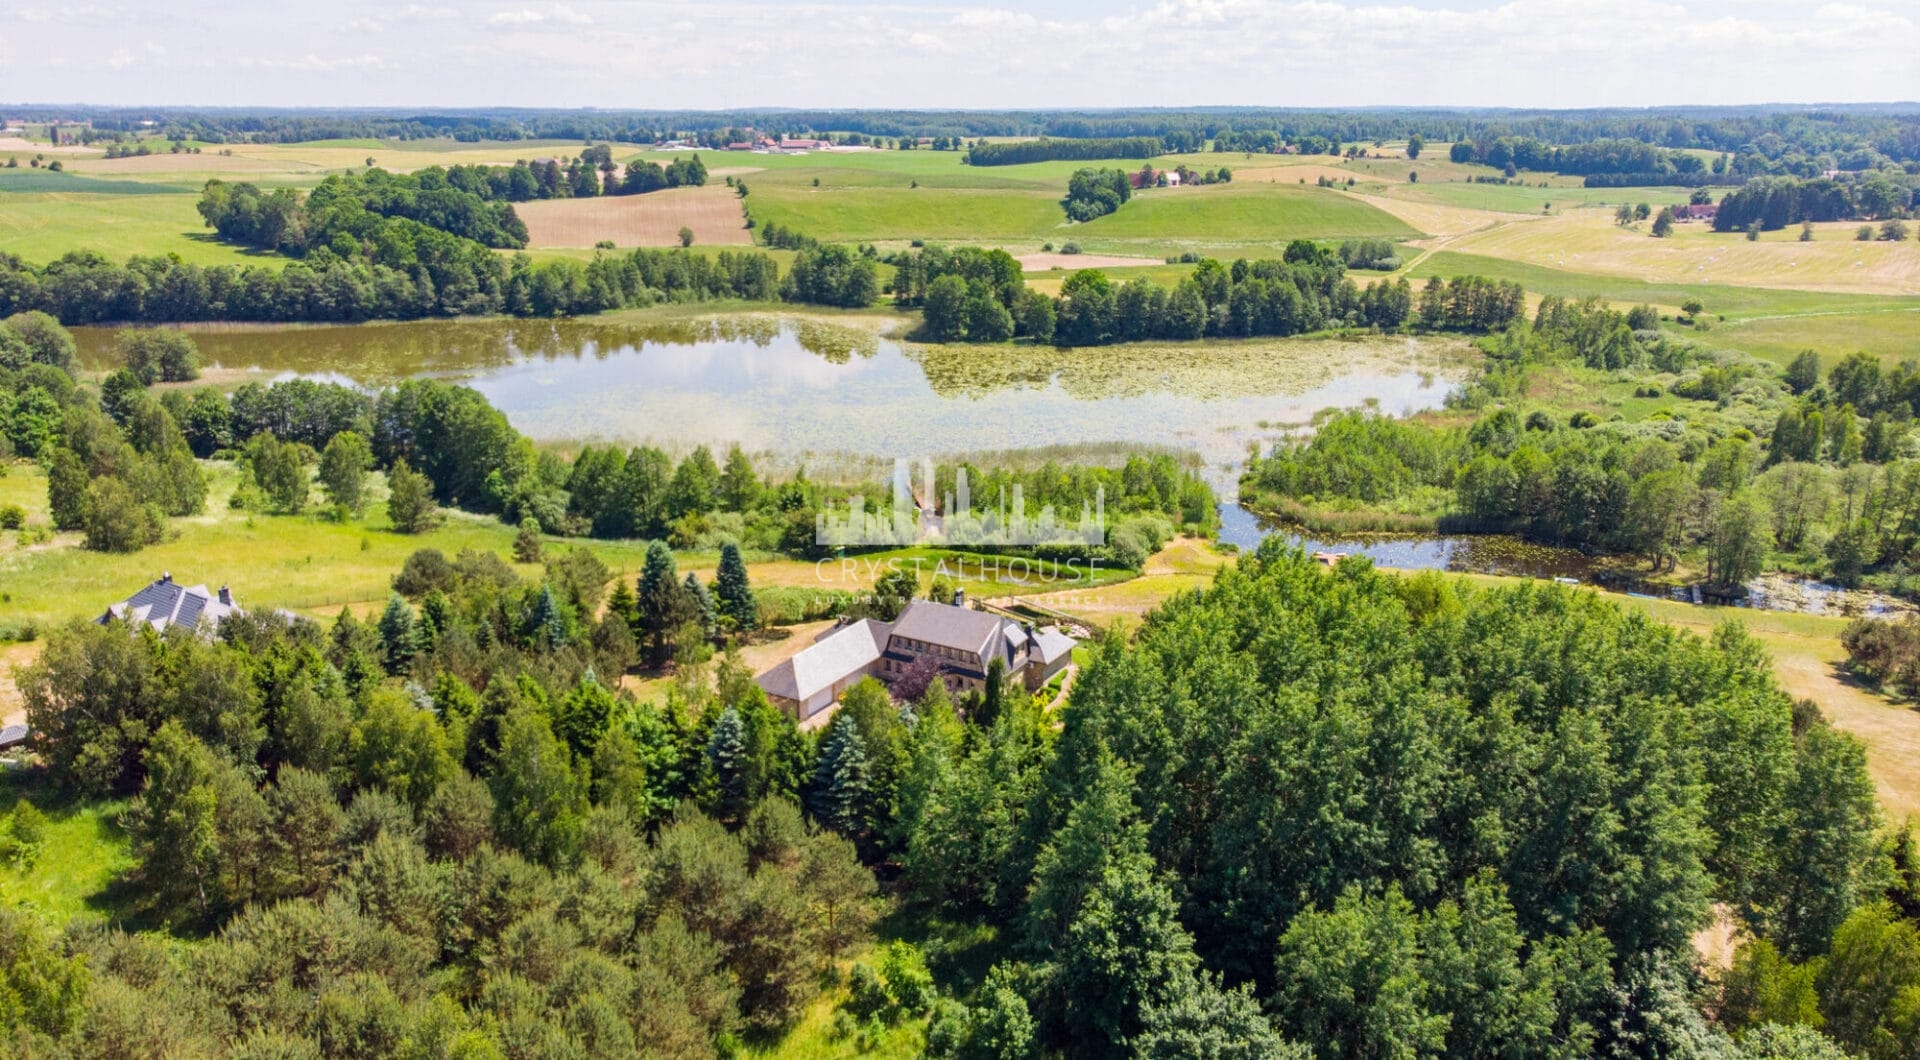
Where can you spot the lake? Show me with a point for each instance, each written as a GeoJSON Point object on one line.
{"type": "Point", "coordinates": [799, 388]}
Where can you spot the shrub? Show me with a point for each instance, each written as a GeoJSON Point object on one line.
{"type": "Point", "coordinates": [12, 517]}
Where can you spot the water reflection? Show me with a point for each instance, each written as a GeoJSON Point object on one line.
{"type": "Point", "coordinates": [1460, 554]}
{"type": "Point", "coordinates": [803, 387]}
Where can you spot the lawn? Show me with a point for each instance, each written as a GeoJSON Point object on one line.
{"type": "Point", "coordinates": [83, 852]}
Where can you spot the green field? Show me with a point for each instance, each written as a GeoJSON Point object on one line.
{"type": "Point", "coordinates": [1893, 334]}
{"type": "Point", "coordinates": [148, 219]}
{"type": "Point", "coordinates": [894, 214]}
{"type": "Point", "coordinates": [1733, 302]}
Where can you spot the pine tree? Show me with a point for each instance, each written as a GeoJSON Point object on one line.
{"type": "Point", "coordinates": [727, 757]}
{"type": "Point", "coordinates": [399, 638]}
{"type": "Point", "coordinates": [736, 595]}
{"type": "Point", "coordinates": [840, 780]}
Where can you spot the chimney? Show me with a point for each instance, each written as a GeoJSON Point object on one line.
{"type": "Point", "coordinates": [959, 598]}
{"type": "Point", "coordinates": [225, 596]}
{"type": "Point", "coordinates": [166, 577]}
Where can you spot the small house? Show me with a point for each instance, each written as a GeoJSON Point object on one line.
{"type": "Point", "coordinates": [167, 603]}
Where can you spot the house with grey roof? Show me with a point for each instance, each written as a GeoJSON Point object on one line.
{"type": "Point", "coordinates": [166, 603]}
{"type": "Point", "coordinates": [962, 642]}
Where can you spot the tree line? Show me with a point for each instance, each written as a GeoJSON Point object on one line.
{"type": "Point", "coordinates": [1773, 203]}
{"type": "Point", "coordinates": [436, 275]}
{"type": "Point", "coordinates": [974, 295]}
{"type": "Point", "coordinates": [592, 172]}
{"type": "Point", "coordinates": [1021, 152]}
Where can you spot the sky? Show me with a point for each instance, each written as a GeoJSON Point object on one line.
{"type": "Point", "coordinates": [905, 53]}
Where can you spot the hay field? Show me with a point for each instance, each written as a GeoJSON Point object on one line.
{"type": "Point", "coordinates": [1044, 262]}
{"type": "Point", "coordinates": [1588, 241]}
{"type": "Point", "coordinates": [651, 220]}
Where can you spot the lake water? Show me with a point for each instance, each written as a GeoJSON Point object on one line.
{"type": "Point", "coordinates": [796, 388]}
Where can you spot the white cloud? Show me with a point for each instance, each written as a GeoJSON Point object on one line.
{"type": "Point", "coordinates": [559, 14]}
{"type": "Point", "coordinates": [985, 53]}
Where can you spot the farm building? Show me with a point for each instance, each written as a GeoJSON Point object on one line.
{"type": "Point", "coordinates": [962, 642]}
{"type": "Point", "coordinates": [167, 603]}
{"type": "Point", "coordinates": [1699, 211]}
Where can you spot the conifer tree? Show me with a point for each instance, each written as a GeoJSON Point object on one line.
{"type": "Point", "coordinates": [663, 605]}
{"type": "Point", "coordinates": [727, 757]}
{"type": "Point", "coordinates": [702, 610]}
{"type": "Point", "coordinates": [399, 636]}
{"type": "Point", "coordinates": [840, 779]}
{"type": "Point", "coordinates": [548, 623]}
{"type": "Point", "coordinates": [736, 595]}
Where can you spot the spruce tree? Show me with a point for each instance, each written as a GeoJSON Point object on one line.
{"type": "Point", "coordinates": [399, 638]}
{"type": "Point", "coordinates": [736, 595]}
{"type": "Point", "coordinates": [840, 782]}
{"type": "Point", "coordinates": [702, 609]}
{"type": "Point", "coordinates": [663, 605]}
{"type": "Point", "coordinates": [727, 757]}
{"type": "Point", "coordinates": [547, 625]}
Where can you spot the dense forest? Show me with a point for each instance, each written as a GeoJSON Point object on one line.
{"type": "Point", "coordinates": [1303, 814]}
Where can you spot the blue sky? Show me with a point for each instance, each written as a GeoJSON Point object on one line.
{"type": "Point", "coordinates": [918, 53]}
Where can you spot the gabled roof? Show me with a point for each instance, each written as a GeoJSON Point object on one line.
{"type": "Point", "coordinates": [168, 603]}
{"type": "Point", "coordinates": [952, 627]}
{"type": "Point", "coordinates": [833, 658]}
{"type": "Point", "coordinates": [1049, 644]}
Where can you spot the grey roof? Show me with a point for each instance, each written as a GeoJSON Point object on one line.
{"type": "Point", "coordinates": [13, 736]}
{"type": "Point", "coordinates": [952, 627]}
{"type": "Point", "coordinates": [833, 657]}
{"type": "Point", "coordinates": [168, 603]}
{"type": "Point", "coordinates": [1050, 644]}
